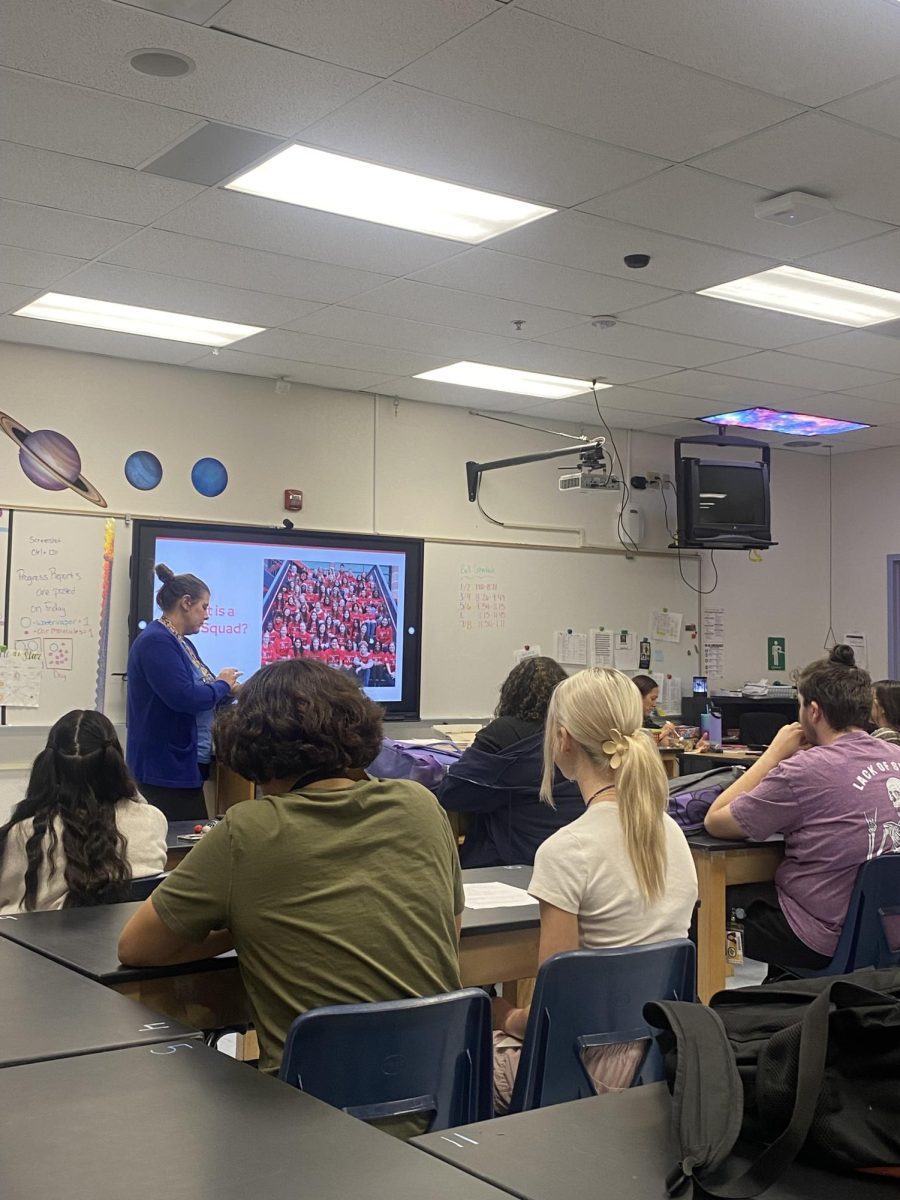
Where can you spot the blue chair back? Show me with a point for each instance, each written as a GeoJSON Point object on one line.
{"type": "Point", "coordinates": [144, 885]}
{"type": "Point", "coordinates": [586, 998]}
{"type": "Point", "coordinates": [397, 1058]}
{"type": "Point", "coordinates": [871, 933]}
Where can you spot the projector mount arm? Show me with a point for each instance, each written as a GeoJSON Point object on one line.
{"type": "Point", "coordinates": [591, 455]}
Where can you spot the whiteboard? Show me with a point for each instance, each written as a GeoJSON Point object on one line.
{"type": "Point", "coordinates": [481, 603]}
{"type": "Point", "coordinates": [60, 586]}
{"type": "Point", "coordinates": [4, 549]}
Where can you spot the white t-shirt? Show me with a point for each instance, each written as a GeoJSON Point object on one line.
{"type": "Point", "coordinates": [584, 868]}
{"type": "Point", "coordinates": [144, 828]}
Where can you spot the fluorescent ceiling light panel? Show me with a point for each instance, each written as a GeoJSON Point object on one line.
{"type": "Point", "coordinates": [802, 424]}
{"type": "Point", "coordinates": [808, 294]}
{"type": "Point", "coordinates": [369, 192]}
{"type": "Point", "coordinates": [507, 379]}
{"type": "Point", "coordinates": [128, 318]}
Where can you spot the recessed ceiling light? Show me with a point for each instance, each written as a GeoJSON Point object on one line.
{"type": "Point", "coordinates": [128, 318]}
{"type": "Point", "coordinates": [793, 208]}
{"type": "Point", "coordinates": [508, 379]}
{"type": "Point", "coordinates": [163, 64]}
{"type": "Point", "coordinates": [352, 188]}
{"type": "Point", "coordinates": [798, 424]}
{"type": "Point", "coordinates": [808, 294]}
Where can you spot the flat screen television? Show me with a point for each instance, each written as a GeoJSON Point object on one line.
{"type": "Point", "coordinates": [723, 504]}
{"type": "Point", "coordinates": [351, 601]}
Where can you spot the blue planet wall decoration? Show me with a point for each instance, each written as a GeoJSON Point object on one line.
{"type": "Point", "coordinates": [143, 470]}
{"type": "Point", "coordinates": [209, 477]}
{"type": "Point", "coordinates": [49, 460]}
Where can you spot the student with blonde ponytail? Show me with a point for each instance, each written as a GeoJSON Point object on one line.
{"type": "Point", "coordinates": [619, 875]}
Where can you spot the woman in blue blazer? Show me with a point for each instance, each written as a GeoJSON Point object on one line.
{"type": "Point", "coordinates": [172, 698]}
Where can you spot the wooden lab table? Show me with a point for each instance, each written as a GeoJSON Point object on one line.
{"type": "Point", "coordinates": [720, 864]}
{"type": "Point", "coordinates": [500, 945]}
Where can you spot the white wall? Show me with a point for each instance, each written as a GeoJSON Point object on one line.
{"type": "Point", "coordinates": [866, 497]}
{"type": "Point", "coordinates": [369, 464]}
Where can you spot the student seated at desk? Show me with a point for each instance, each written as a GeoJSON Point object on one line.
{"type": "Point", "coordinates": [886, 710]}
{"type": "Point", "coordinates": [834, 792]}
{"type": "Point", "coordinates": [497, 781]}
{"type": "Point", "coordinates": [334, 888]}
{"type": "Point", "coordinates": [620, 875]}
{"type": "Point", "coordinates": [664, 731]}
{"type": "Point", "coordinates": [82, 832]}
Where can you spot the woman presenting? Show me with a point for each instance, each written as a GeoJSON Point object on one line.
{"type": "Point", "coordinates": [172, 698]}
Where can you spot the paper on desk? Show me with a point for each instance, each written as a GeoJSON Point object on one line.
{"type": "Point", "coordinates": [495, 895]}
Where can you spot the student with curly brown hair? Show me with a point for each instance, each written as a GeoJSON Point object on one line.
{"type": "Point", "coordinates": [82, 832]}
{"type": "Point", "coordinates": [333, 887]}
{"type": "Point", "coordinates": [498, 779]}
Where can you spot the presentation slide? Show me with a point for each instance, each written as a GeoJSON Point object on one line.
{"type": "Point", "coordinates": [342, 607]}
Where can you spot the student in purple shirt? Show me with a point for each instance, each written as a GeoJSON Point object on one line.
{"type": "Point", "coordinates": [833, 791]}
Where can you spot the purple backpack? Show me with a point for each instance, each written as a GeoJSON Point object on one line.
{"type": "Point", "coordinates": [423, 764]}
{"type": "Point", "coordinates": [690, 796]}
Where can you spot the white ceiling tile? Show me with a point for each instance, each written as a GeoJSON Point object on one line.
{"type": "Point", "coordinates": [851, 408]}
{"type": "Point", "coordinates": [858, 348]}
{"type": "Point", "coordinates": [489, 273]}
{"type": "Point", "coordinates": [379, 329]}
{"type": "Point", "coordinates": [728, 391]}
{"type": "Point", "coordinates": [33, 268]}
{"type": "Point", "coordinates": [82, 186]}
{"type": "Point", "coordinates": [197, 11]}
{"type": "Point", "coordinates": [876, 261]}
{"type": "Point", "coordinates": [772, 366]}
{"type": "Point", "coordinates": [884, 393]}
{"type": "Point", "coordinates": [702, 316]}
{"type": "Point", "coordinates": [461, 310]}
{"type": "Point", "coordinates": [386, 35]}
{"type": "Point", "coordinates": [658, 404]}
{"type": "Point", "coordinates": [578, 239]}
{"type": "Point", "coordinates": [859, 171]}
{"type": "Point", "coordinates": [866, 439]}
{"type": "Point", "coordinates": [13, 297]}
{"type": "Point", "coordinates": [236, 362]}
{"type": "Point", "coordinates": [876, 108]}
{"type": "Point", "coordinates": [419, 131]}
{"type": "Point", "coordinates": [580, 414]}
{"type": "Point", "coordinates": [236, 266]}
{"type": "Point", "coordinates": [95, 341]}
{"type": "Point", "coordinates": [650, 345]}
{"type": "Point", "coordinates": [36, 228]}
{"type": "Point", "coordinates": [808, 50]}
{"type": "Point", "coordinates": [545, 71]}
{"type": "Point", "coordinates": [307, 348]}
{"type": "Point", "coordinates": [429, 392]}
{"type": "Point", "coordinates": [123, 285]}
{"type": "Point", "coordinates": [236, 80]}
{"type": "Point", "coordinates": [55, 116]}
{"type": "Point", "coordinates": [711, 208]}
{"type": "Point", "coordinates": [307, 233]}
{"type": "Point", "coordinates": [575, 364]}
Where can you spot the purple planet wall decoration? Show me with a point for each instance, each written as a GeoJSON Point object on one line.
{"type": "Point", "coordinates": [50, 460]}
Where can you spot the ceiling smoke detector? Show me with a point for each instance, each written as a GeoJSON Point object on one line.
{"type": "Point", "coordinates": [162, 64]}
{"type": "Point", "coordinates": [793, 208]}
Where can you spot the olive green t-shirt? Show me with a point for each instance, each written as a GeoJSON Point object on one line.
{"type": "Point", "coordinates": [332, 897]}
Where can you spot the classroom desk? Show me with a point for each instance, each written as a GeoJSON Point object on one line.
{"type": "Point", "coordinates": [617, 1147]}
{"type": "Point", "coordinates": [713, 759]}
{"type": "Point", "coordinates": [205, 995]}
{"type": "Point", "coordinates": [500, 945]}
{"type": "Point", "coordinates": [48, 1012]}
{"type": "Point", "coordinates": [719, 864]}
{"type": "Point", "coordinates": [195, 1125]}
{"type": "Point", "coordinates": [176, 850]}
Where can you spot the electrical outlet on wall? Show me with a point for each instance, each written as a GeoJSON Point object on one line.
{"type": "Point", "coordinates": [657, 479]}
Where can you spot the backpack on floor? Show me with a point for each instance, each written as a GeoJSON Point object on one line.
{"type": "Point", "coordinates": [690, 796]}
{"type": "Point", "coordinates": [807, 1068]}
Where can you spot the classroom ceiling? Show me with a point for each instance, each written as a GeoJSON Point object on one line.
{"type": "Point", "coordinates": [653, 127]}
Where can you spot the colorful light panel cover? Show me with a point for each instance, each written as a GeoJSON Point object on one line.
{"type": "Point", "coordinates": [798, 424]}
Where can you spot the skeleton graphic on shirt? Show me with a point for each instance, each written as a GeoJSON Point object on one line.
{"type": "Point", "coordinates": [890, 836]}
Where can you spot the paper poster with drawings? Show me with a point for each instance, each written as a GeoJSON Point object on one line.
{"type": "Point", "coordinates": [571, 647]}
{"type": "Point", "coordinates": [601, 648]}
{"type": "Point", "coordinates": [626, 650]}
{"type": "Point", "coordinates": [20, 681]}
{"type": "Point", "coordinates": [665, 626]}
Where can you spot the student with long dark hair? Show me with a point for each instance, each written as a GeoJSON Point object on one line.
{"type": "Point", "coordinates": [82, 832]}
{"type": "Point", "coordinates": [886, 710]}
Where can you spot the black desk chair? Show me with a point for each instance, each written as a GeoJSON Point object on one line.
{"type": "Point", "coordinates": [871, 933]}
{"type": "Point", "coordinates": [758, 728]}
{"type": "Point", "coordinates": [143, 886]}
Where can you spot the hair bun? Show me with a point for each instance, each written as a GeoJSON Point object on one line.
{"type": "Point", "coordinates": [842, 654]}
{"type": "Point", "coordinates": [164, 573]}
